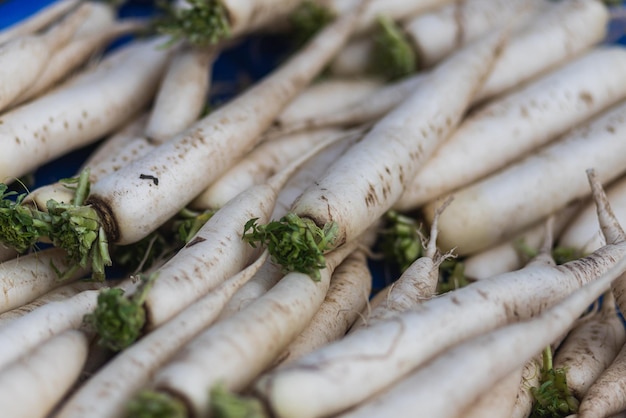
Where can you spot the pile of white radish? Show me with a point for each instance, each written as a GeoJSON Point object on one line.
{"type": "Point", "coordinates": [223, 261]}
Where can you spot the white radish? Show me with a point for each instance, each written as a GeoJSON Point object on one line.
{"type": "Point", "coordinates": [27, 277]}
{"type": "Point", "coordinates": [316, 384]}
{"type": "Point", "coordinates": [371, 108]}
{"type": "Point", "coordinates": [38, 20]}
{"type": "Point", "coordinates": [107, 393]}
{"type": "Point", "coordinates": [258, 165]}
{"type": "Point", "coordinates": [153, 183]}
{"type": "Point", "coordinates": [7, 253]}
{"type": "Point", "coordinates": [483, 360]}
{"type": "Point", "coordinates": [607, 396]}
{"type": "Point", "coordinates": [506, 129]}
{"type": "Point", "coordinates": [436, 34]}
{"type": "Point", "coordinates": [72, 55]}
{"type": "Point", "coordinates": [182, 94]}
{"type": "Point", "coordinates": [555, 37]}
{"type": "Point", "coordinates": [347, 295]}
{"type": "Point", "coordinates": [367, 180]}
{"type": "Point", "coordinates": [60, 293]}
{"type": "Point", "coordinates": [509, 200]}
{"type": "Point", "coordinates": [531, 373]}
{"type": "Point", "coordinates": [416, 284]}
{"type": "Point", "coordinates": [24, 58]}
{"type": "Point", "coordinates": [33, 385]}
{"type": "Point", "coordinates": [32, 329]}
{"type": "Point", "coordinates": [326, 97]}
{"type": "Point", "coordinates": [591, 347]}
{"type": "Point", "coordinates": [260, 332]}
{"type": "Point", "coordinates": [83, 111]}
{"type": "Point", "coordinates": [584, 232]}
{"type": "Point", "coordinates": [497, 401]}
{"type": "Point", "coordinates": [506, 257]}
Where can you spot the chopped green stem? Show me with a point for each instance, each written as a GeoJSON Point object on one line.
{"type": "Point", "coordinates": [401, 241]}
{"type": "Point", "coordinates": [203, 23]}
{"type": "Point", "coordinates": [295, 243]}
{"type": "Point", "coordinates": [561, 255]}
{"type": "Point", "coordinates": [118, 319]}
{"type": "Point", "coordinates": [394, 56]}
{"type": "Point", "coordinates": [152, 404]}
{"type": "Point", "coordinates": [308, 19]}
{"type": "Point", "coordinates": [225, 404]}
{"type": "Point", "coordinates": [21, 226]}
{"type": "Point", "coordinates": [553, 398]}
{"type": "Point", "coordinates": [189, 223]}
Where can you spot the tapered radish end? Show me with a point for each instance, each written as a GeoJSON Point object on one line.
{"type": "Point", "coordinates": [611, 229]}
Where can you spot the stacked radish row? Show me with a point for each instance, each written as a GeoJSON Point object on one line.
{"type": "Point", "coordinates": [249, 228]}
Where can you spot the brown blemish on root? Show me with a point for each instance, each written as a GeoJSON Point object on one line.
{"type": "Point", "coordinates": [196, 240]}
{"type": "Point", "coordinates": [586, 97]}
{"type": "Point", "coordinates": [154, 179]}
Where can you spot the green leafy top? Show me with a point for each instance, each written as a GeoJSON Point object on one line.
{"type": "Point", "coordinates": [295, 243]}
{"type": "Point", "coordinates": [393, 57]}
{"type": "Point", "coordinates": [561, 255]}
{"type": "Point", "coordinates": [152, 404]}
{"type": "Point", "coordinates": [225, 404]}
{"type": "Point", "coordinates": [119, 320]}
{"type": "Point", "coordinates": [203, 23]}
{"type": "Point", "coordinates": [553, 398]}
{"type": "Point", "coordinates": [308, 19]}
{"type": "Point", "coordinates": [21, 226]}
{"type": "Point", "coordinates": [401, 240]}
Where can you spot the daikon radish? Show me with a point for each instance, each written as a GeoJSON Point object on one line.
{"type": "Point", "coordinates": [493, 209]}
{"type": "Point", "coordinates": [38, 20]}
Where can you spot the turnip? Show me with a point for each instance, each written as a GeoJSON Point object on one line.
{"type": "Point", "coordinates": [381, 162]}
{"type": "Point", "coordinates": [508, 128]}
{"type": "Point", "coordinates": [316, 384]}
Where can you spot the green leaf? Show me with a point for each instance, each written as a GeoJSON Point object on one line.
{"type": "Point", "coordinates": [152, 404]}
{"type": "Point", "coordinates": [119, 320]}
{"type": "Point", "coordinates": [203, 23]}
{"type": "Point", "coordinates": [225, 404]}
{"type": "Point", "coordinates": [295, 243]}
{"type": "Point", "coordinates": [394, 56]}
{"type": "Point", "coordinates": [307, 20]}
{"type": "Point", "coordinates": [401, 240]}
{"type": "Point", "coordinates": [553, 398]}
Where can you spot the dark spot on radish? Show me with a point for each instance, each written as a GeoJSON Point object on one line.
{"type": "Point", "coordinates": [155, 180]}
{"type": "Point", "coordinates": [18, 140]}
{"type": "Point", "coordinates": [610, 129]}
{"type": "Point", "coordinates": [524, 111]}
{"type": "Point", "coordinates": [455, 300]}
{"type": "Point", "coordinates": [483, 294]}
{"type": "Point", "coordinates": [196, 240]}
{"type": "Point", "coordinates": [586, 97]}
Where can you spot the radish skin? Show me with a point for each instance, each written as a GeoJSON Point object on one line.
{"type": "Point", "coordinates": [497, 401]}
{"type": "Point", "coordinates": [506, 129]}
{"type": "Point", "coordinates": [81, 113]}
{"type": "Point", "coordinates": [591, 347]}
{"type": "Point", "coordinates": [24, 58]}
{"type": "Point", "coordinates": [28, 331]}
{"type": "Point", "coordinates": [258, 165]}
{"type": "Point", "coordinates": [27, 277]}
{"type": "Point", "coordinates": [182, 93]}
{"type": "Point", "coordinates": [37, 21]}
{"type": "Point", "coordinates": [502, 204]}
{"type": "Point", "coordinates": [607, 395]}
{"type": "Point", "coordinates": [33, 385]}
{"type": "Point", "coordinates": [107, 392]}
{"type": "Point", "coordinates": [564, 32]}
{"type": "Point", "coordinates": [350, 286]}
{"type": "Point", "coordinates": [315, 385]}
